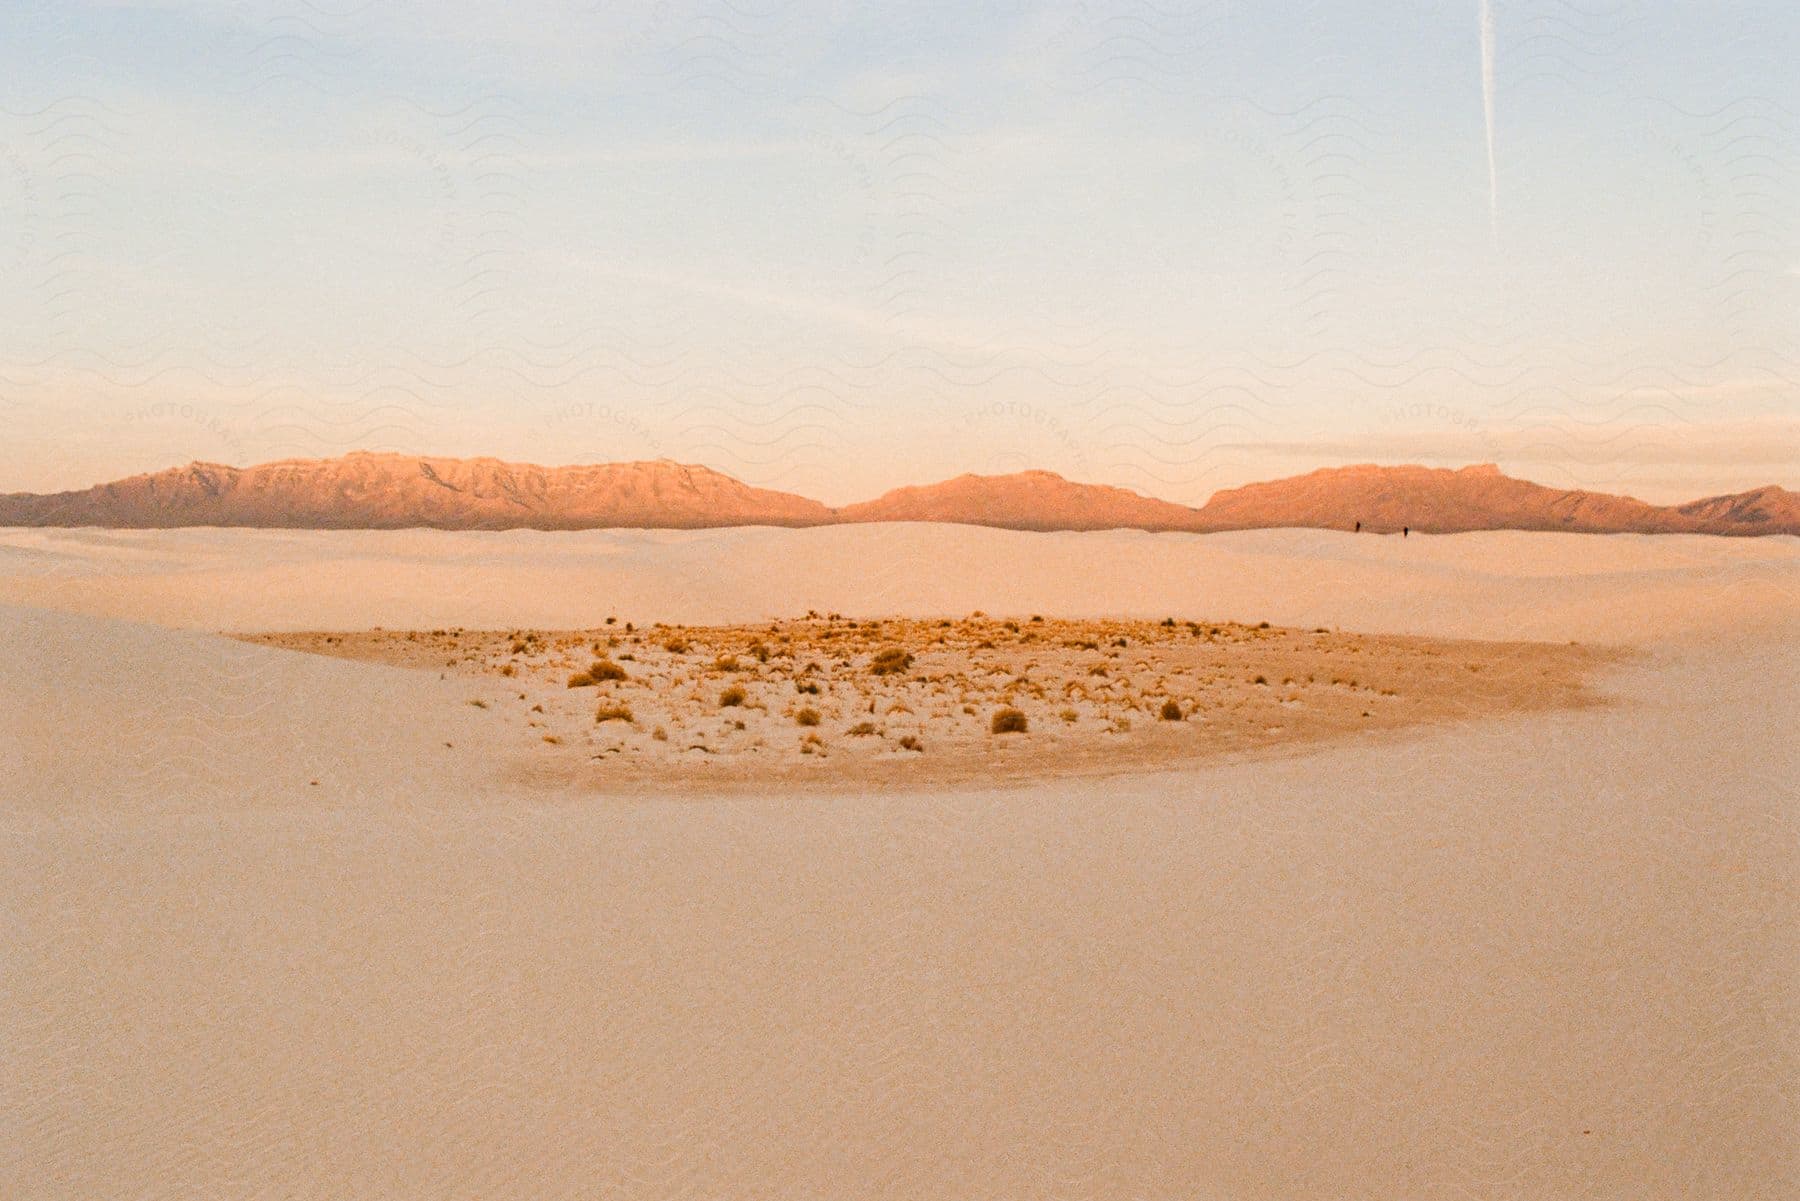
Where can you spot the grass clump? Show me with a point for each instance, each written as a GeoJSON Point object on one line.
{"type": "Point", "coordinates": [807, 717]}
{"type": "Point", "coordinates": [911, 743]}
{"type": "Point", "coordinates": [613, 713]}
{"type": "Point", "coordinates": [731, 698]}
{"type": "Point", "coordinates": [1171, 711]}
{"type": "Point", "coordinates": [861, 729]}
{"type": "Point", "coordinates": [606, 669]}
{"type": "Point", "coordinates": [1009, 721]}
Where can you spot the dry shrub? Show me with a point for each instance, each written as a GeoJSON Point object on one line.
{"type": "Point", "coordinates": [1171, 711]}
{"type": "Point", "coordinates": [726, 663]}
{"type": "Point", "coordinates": [606, 669]}
{"type": "Point", "coordinates": [911, 743]}
{"type": "Point", "coordinates": [613, 713]}
{"type": "Point", "coordinates": [861, 729]}
{"type": "Point", "coordinates": [582, 679]}
{"type": "Point", "coordinates": [889, 660]}
{"type": "Point", "coordinates": [1009, 721]}
{"type": "Point", "coordinates": [731, 698]}
{"type": "Point", "coordinates": [807, 717]}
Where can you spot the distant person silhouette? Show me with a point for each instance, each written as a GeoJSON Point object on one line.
{"type": "Point", "coordinates": [1359, 527]}
{"type": "Point", "coordinates": [1406, 531]}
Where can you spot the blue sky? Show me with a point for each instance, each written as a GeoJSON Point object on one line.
{"type": "Point", "coordinates": [833, 247]}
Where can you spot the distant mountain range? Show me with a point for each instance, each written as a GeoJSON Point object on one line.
{"type": "Point", "coordinates": [392, 491]}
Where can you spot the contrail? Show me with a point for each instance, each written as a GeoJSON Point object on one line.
{"type": "Point", "coordinates": [1487, 106]}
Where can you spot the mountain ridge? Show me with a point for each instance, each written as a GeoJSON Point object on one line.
{"type": "Point", "coordinates": [388, 490]}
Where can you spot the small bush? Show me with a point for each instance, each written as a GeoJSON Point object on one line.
{"type": "Point", "coordinates": [1009, 721]}
{"type": "Point", "coordinates": [1260, 680]}
{"type": "Point", "coordinates": [911, 743]}
{"type": "Point", "coordinates": [1171, 711]}
{"type": "Point", "coordinates": [861, 729]}
{"type": "Point", "coordinates": [582, 679]}
{"type": "Point", "coordinates": [606, 669]}
{"type": "Point", "coordinates": [806, 688]}
{"type": "Point", "coordinates": [1069, 715]}
{"type": "Point", "coordinates": [613, 713]}
{"type": "Point", "coordinates": [890, 660]}
{"type": "Point", "coordinates": [731, 698]}
{"type": "Point", "coordinates": [677, 646]}
{"type": "Point", "coordinates": [726, 663]}
{"type": "Point", "coordinates": [807, 717]}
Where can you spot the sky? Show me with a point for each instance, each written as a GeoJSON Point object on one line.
{"type": "Point", "coordinates": [836, 247]}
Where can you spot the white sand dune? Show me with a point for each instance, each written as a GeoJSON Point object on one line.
{"type": "Point", "coordinates": [1503, 584]}
{"type": "Point", "coordinates": [1546, 956]}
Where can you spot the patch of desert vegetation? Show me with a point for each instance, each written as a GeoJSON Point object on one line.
{"type": "Point", "coordinates": [849, 701]}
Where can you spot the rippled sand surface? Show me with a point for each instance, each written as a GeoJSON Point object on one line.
{"type": "Point", "coordinates": [269, 937]}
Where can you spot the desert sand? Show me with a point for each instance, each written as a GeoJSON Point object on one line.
{"type": "Point", "coordinates": [273, 933]}
{"type": "Point", "coordinates": [856, 705]}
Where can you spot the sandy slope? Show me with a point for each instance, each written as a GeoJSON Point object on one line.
{"type": "Point", "coordinates": [1540, 956]}
{"type": "Point", "coordinates": [1501, 584]}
